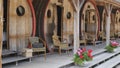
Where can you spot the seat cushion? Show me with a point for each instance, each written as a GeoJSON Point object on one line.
{"type": "Point", "coordinates": [37, 45]}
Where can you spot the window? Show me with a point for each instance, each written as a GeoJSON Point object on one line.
{"type": "Point", "coordinates": [20, 10]}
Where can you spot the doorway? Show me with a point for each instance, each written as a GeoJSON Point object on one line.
{"type": "Point", "coordinates": [5, 27]}
{"type": "Point", "coordinates": [59, 20]}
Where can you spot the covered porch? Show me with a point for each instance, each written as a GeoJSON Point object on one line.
{"type": "Point", "coordinates": [54, 60]}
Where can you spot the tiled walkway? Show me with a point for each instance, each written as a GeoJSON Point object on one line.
{"type": "Point", "coordinates": [53, 60]}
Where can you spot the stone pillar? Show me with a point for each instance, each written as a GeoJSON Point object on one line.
{"type": "Point", "coordinates": [108, 19]}
{"type": "Point", "coordinates": [78, 7]}
{"type": "Point", "coordinates": [76, 31]}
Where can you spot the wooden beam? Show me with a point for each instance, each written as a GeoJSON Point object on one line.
{"type": "Point", "coordinates": [74, 7]}
{"type": "Point", "coordinates": [78, 5]}
{"type": "Point", "coordinates": [114, 3]}
{"type": "Point", "coordinates": [108, 19]}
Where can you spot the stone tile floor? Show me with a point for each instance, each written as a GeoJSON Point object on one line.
{"type": "Point", "coordinates": [53, 60]}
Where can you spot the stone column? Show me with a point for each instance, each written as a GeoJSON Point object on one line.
{"type": "Point", "coordinates": [76, 31]}
{"type": "Point", "coordinates": [77, 5]}
{"type": "Point", "coordinates": [108, 19]}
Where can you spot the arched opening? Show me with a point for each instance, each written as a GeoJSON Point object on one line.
{"type": "Point", "coordinates": [90, 19]}
{"type": "Point", "coordinates": [40, 9]}
{"type": "Point", "coordinates": [59, 21]}
{"type": "Point", "coordinates": [104, 22]}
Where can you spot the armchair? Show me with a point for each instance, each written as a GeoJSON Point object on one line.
{"type": "Point", "coordinates": [60, 45]}
{"type": "Point", "coordinates": [38, 46]}
{"type": "Point", "coordinates": [102, 35]}
{"type": "Point", "coordinates": [91, 38]}
{"type": "Point", "coordinates": [83, 38]}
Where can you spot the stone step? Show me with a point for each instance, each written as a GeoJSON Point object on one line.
{"type": "Point", "coordinates": [118, 66]}
{"type": "Point", "coordinates": [95, 53]}
{"type": "Point", "coordinates": [98, 52]}
{"type": "Point", "coordinates": [11, 56]}
{"type": "Point", "coordinates": [110, 63]}
{"type": "Point", "coordinates": [8, 52]}
{"type": "Point", "coordinates": [98, 59]}
{"type": "Point", "coordinates": [102, 58]}
{"type": "Point", "coordinates": [13, 59]}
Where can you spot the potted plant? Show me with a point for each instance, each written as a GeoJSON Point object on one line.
{"type": "Point", "coordinates": [82, 55]}
{"type": "Point", "coordinates": [111, 46]}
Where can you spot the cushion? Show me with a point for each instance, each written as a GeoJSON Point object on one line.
{"type": "Point", "coordinates": [37, 45]}
{"type": "Point", "coordinates": [33, 39]}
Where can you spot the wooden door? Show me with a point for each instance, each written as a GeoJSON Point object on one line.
{"type": "Point", "coordinates": [1, 29]}
{"type": "Point", "coordinates": [91, 26]}
{"type": "Point", "coordinates": [59, 21]}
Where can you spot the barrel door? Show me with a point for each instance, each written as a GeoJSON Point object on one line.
{"type": "Point", "coordinates": [1, 29]}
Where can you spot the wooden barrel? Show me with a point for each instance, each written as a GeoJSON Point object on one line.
{"type": "Point", "coordinates": [104, 15]}
{"type": "Point", "coordinates": [1, 30]}
{"type": "Point", "coordinates": [112, 25]}
{"type": "Point", "coordinates": [40, 9]}
{"type": "Point", "coordinates": [117, 21]}
{"type": "Point", "coordinates": [90, 20]}
{"type": "Point", "coordinates": [19, 24]}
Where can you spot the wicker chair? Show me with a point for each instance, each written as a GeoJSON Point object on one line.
{"type": "Point", "coordinates": [60, 45]}
{"type": "Point", "coordinates": [83, 39]}
{"type": "Point", "coordinates": [91, 38]}
{"type": "Point", "coordinates": [118, 34]}
{"type": "Point", "coordinates": [102, 35]}
{"type": "Point", "coordinates": [38, 46]}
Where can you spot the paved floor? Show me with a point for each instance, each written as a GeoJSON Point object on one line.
{"type": "Point", "coordinates": [53, 60]}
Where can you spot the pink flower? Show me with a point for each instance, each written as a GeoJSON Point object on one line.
{"type": "Point", "coordinates": [78, 53]}
{"type": "Point", "coordinates": [83, 49]}
{"type": "Point", "coordinates": [89, 54]}
{"type": "Point", "coordinates": [89, 51]}
{"type": "Point", "coordinates": [79, 50]}
{"type": "Point", "coordinates": [114, 43]}
{"type": "Point", "coordinates": [118, 44]}
{"type": "Point", "coordinates": [81, 56]}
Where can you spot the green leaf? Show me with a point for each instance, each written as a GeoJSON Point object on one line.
{"type": "Point", "coordinates": [109, 48]}
{"type": "Point", "coordinates": [80, 62]}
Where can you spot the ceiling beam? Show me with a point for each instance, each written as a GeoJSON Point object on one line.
{"type": "Point", "coordinates": [73, 4]}
{"type": "Point", "coordinates": [112, 2]}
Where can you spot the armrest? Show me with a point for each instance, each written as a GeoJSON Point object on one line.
{"type": "Point", "coordinates": [65, 41]}
{"type": "Point", "coordinates": [44, 43]}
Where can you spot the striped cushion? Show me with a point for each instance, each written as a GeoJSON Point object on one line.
{"type": "Point", "coordinates": [37, 45]}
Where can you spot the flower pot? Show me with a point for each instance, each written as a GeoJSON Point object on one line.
{"type": "Point", "coordinates": [83, 65]}
{"type": "Point", "coordinates": [115, 50]}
